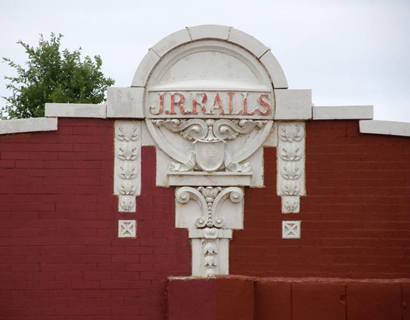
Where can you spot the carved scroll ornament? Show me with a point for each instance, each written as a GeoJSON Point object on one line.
{"type": "Point", "coordinates": [209, 138]}
{"type": "Point", "coordinates": [210, 214]}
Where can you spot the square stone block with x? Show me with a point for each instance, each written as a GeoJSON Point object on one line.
{"type": "Point", "coordinates": [291, 229]}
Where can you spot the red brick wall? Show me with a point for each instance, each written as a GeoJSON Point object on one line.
{"type": "Point", "coordinates": [253, 298]}
{"type": "Point", "coordinates": [355, 218]}
{"type": "Point", "coordinates": [60, 258]}
{"type": "Point", "coordinates": [59, 255]}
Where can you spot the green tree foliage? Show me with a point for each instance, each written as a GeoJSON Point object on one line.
{"type": "Point", "coordinates": [53, 75]}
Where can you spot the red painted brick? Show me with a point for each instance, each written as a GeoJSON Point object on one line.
{"type": "Point", "coordinates": [373, 301]}
{"type": "Point", "coordinates": [191, 299]}
{"type": "Point", "coordinates": [405, 303]}
{"type": "Point", "coordinates": [315, 300]}
{"type": "Point", "coordinates": [213, 299]}
{"type": "Point", "coordinates": [357, 185]}
{"type": "Point", "coordinates": [58, 224]}
{"type": "Point", "coordinates": [65, 211]}
{"type": "Point", "coordinates": [234, 299]}
{"type": "Point", "coordinates": [273, 300]}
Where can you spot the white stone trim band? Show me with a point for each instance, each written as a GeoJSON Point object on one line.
{"type": "Point", "coordinates": [128, 103]}
{"type": "Point", "coordinates": [342, 112]}
{"type": "Point", "coordinates": [385, 127]}
{"type": "Point", "coordinates": [28, 125]}
{"type": "Point", "coordinates": [76, 110]}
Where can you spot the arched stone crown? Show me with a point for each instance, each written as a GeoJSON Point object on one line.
{"type": "Point", "coordinates": [226, 41]}
{"type": "Point", "coordinates": [210, 32]}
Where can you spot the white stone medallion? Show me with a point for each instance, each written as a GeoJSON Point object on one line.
{"type": "Point", "coordinates": [209, 106]}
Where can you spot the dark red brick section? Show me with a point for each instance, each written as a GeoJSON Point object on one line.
{"type": "Point", "coordinates": [214, 299]}
{"type": "Point", "coordinates": [287, 299]}
{"type": "Point", "coordinates": [316, 300]}
{"type": "Point", "coordinates": [59, 255]}
{"type": "Point", "coordinates": [234, 298]}
{"type": "Point", "coordinates": [60, 258]}
{"type": "Point", "coordinates": [191, 299]}
{"type": "Point", "coordinates": [368, 301]}
{"type": "Point", "coordinates": [273, 300]}
{"type": "Point", "coordinates": [405, 291]}
{"type": "Point", "coordinates": [355, 218]}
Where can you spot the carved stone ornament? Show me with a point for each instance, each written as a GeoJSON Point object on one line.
{"type": "Point", "coordinates": [127, 164]}
{"type": "Point", "coordinates": [207, 120]}
{"type": "Point", "coordinates": [209, 146]}
{"type": "Point", "coordinates": [209, 138]}
{"type": "Point", "coordinates": [127, 228]}
{"type": "Point", "coordinates": [291, 165]}
{"type": "Point", "coordinates": [291, 229]}
{"type": "Point", "coordinates": [210, 214]}
{"type": "Point", "coordinates": [207, 101]}
{"type": "Point", "coordinates": [208, 106]}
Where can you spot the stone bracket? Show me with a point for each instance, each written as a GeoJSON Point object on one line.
{"type": "Point", "coordinates": [210, 214]}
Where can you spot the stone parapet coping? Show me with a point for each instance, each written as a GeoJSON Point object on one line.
{"type": "Point", "coordinates": [291, 105]}
{"type": "Point", "coordinates": [76, 110]}
{"type": "Point", "coordinates": [342, 112]}
{"type": "Point", "coordinates": [385, 127]}
{"type": "Point", "coordinates": [28, 125]}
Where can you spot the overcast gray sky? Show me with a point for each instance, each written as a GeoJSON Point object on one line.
{"type": "Point", "coordinates": [348, 52]}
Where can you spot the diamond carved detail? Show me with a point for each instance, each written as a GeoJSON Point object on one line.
{"type": "Point", "coordinates": [291, 229]}
{"type": "Point", "coordinates": [127, 228]}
